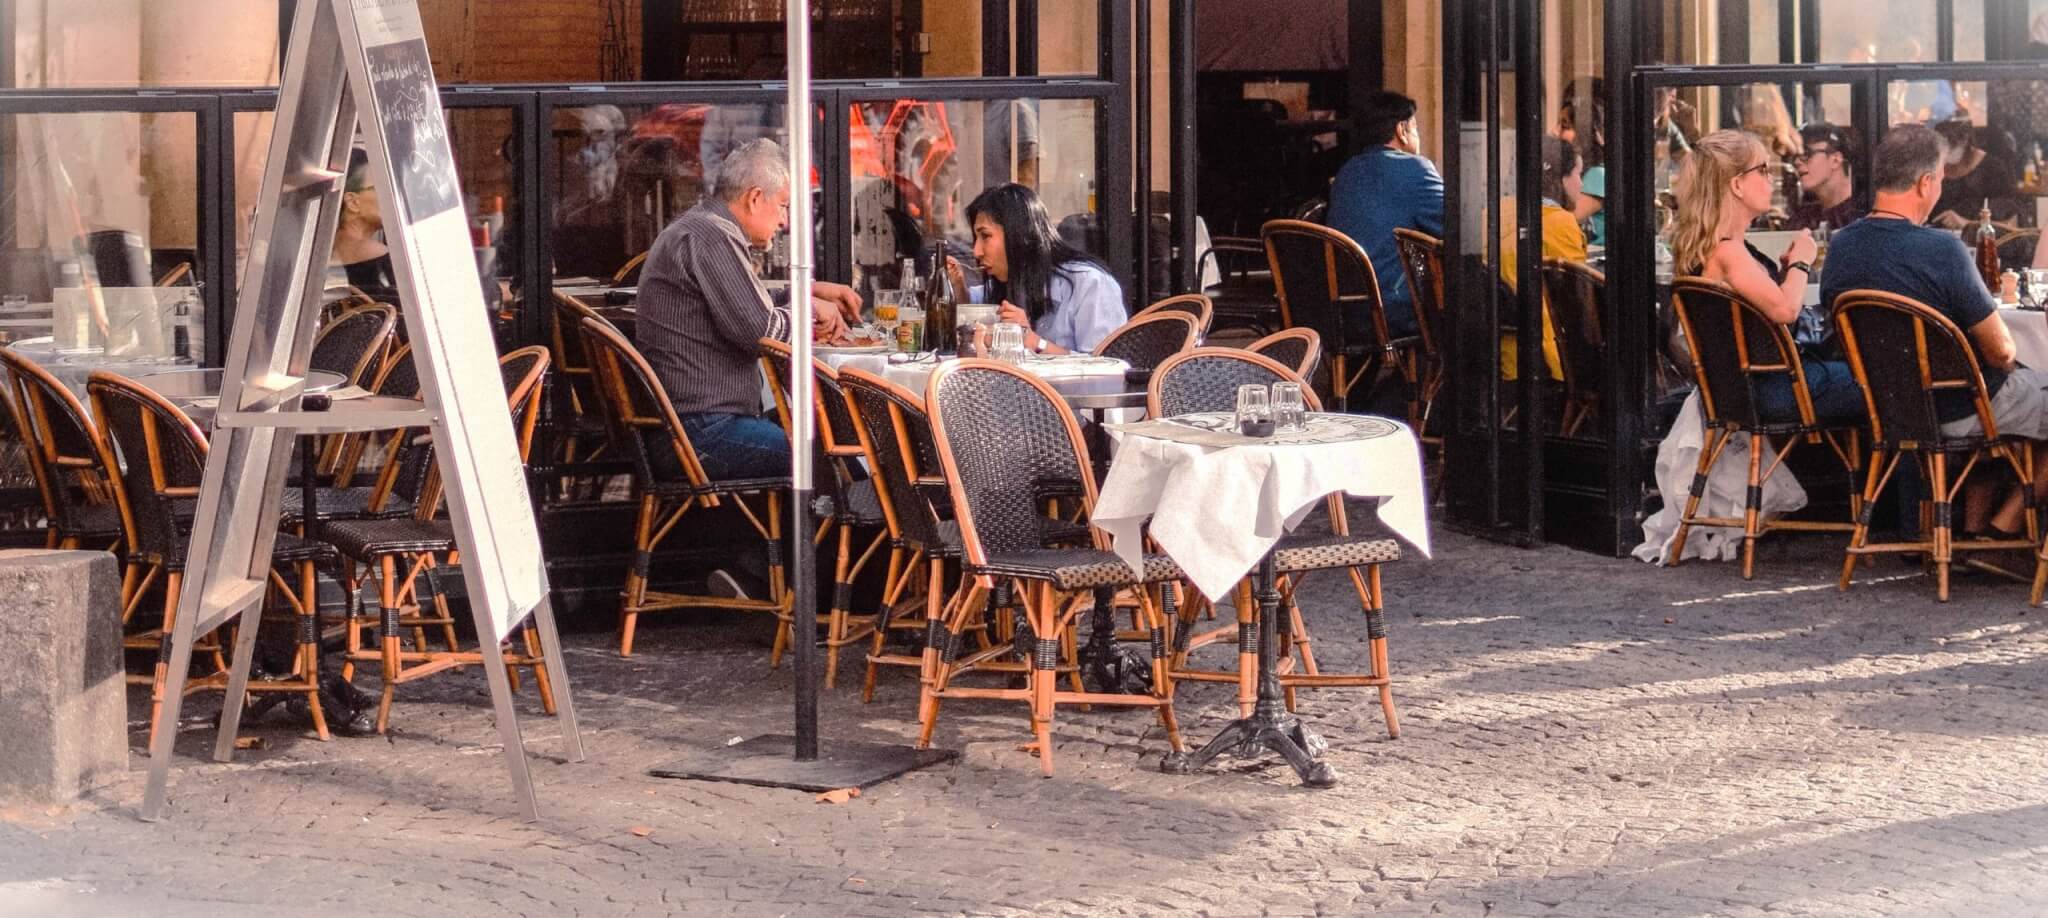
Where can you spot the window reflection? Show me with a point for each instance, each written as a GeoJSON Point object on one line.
{"type": "Point", "coordinates": [100, 245]}
{"type": "Point", "coordinates": [621, 173]}
{"type": "Point", "coordinates": [917, 163]}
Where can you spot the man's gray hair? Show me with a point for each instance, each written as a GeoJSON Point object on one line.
{"type": "Point", "coordinates": [1907, 152]}
{"type": "Point", "coordinates": [754, 164]}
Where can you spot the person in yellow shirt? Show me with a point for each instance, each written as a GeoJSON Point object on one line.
{"type": "Point", "coordinates": [1562, 238]}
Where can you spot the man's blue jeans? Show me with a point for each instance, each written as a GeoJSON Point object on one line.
{"type": "Point", "coordinates": [730, 446]}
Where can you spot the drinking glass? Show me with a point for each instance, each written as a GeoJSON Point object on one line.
{"type": "Point", "coordinates": [888, 304]}
{"type": "Point", "coordinates": [1288, 412]}
{"type": "Point", "coordinates": [2037, 285]}
{"type": "Point", "coordinates": [1254, 410]}
{"type": "Point", "coordinates": [909, 329]}
{"type": "Point", "coordinates": [1007, 343]}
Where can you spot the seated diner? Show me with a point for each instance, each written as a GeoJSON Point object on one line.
{"type": "Point", "coordinates": [1065, 299]}
{"type": "Point", "coordinates": [1894, 251]}
{"type": "Point", "coordinates": [1725, 188]}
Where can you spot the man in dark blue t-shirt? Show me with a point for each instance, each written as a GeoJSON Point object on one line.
{"type": "Point", "coordinates": [1388, 187]}
{"type": "Point", "coordinates": [1889, 250]}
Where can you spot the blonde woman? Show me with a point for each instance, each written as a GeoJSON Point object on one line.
{"type": "Point", "coordinates": [1725, 187]}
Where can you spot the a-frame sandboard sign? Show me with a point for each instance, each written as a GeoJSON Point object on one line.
{"type": "Point", "coordinates": [367, 57]}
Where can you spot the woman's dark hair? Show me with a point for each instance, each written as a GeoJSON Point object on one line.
{"type": "Point", "coordinates": [1032, 247]}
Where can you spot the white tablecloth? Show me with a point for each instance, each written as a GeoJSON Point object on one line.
{"type": "Point", "coordinates": [2029, 334]}
{"type": "Point", "coordinates": [1217, 510]}
{"type": "Point", "coordinates": [913, 376]}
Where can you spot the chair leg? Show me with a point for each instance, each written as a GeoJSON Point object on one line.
{"type": "Point", "coordinates": [842, 595]}
{"type": "Point", "coordinates": [937, 620]}
{"type": "Point", "coordinates": [1247, 651]}
{"type": "Point", "coordinates": [540, 668]}
{"type": "Point", "coordinates": [1710, 452]}
{"type": "Point", "coordinates": [1752, 504]}
{"type": "Point", "coordinates": [636, 577]}
{"type": "Point", "coordinates": [1873, 481]}
{"type": "Point", "coordinates": [1044, 664]}
{"type": "Point", "coordinates": [309, 643]}
{"type": "Point", "coordinates": [1162, 679]}
{"type": "Point", "coordinates": [1376, 638]}
{"type": "Point", "coordinates": [387, 636]}
{"type": "Point", "coordinates": [892, 593]}
{"type": "Point", "coordinates": [172, 583]}
{"type": "Point", "coordinates": [1939, 480]}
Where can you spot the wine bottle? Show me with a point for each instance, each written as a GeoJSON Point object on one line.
{"type": "Point", "coordinates": [1987, 248]}
{"type": "Point", "coordinates": [939, 310]}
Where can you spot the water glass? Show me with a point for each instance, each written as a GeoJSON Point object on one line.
{"type": "Point", "coordinates": [1254, 411]}
{"type": "Point", "coordinates": [13, 301]}
{"type": "Point", "coordinates": [1006, 343]}
{"type": "Point", "coordinates": [2037, 285]}
{"type": "Point", "coordinates": [909, 329]}
{"type": "Point", "coordinates": [1289, 414]}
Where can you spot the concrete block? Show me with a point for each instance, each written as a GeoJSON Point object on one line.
{"type": "Point", "coordinates": [63, 697]}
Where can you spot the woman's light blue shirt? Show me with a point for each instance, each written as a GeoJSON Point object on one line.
{"type": "Point", "coordinates": [1087, 304]}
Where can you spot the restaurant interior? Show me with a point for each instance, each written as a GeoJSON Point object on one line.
{"type": "Point", "coordinates": [1157, 144]}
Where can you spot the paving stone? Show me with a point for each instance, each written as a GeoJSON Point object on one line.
{"type": "Point", "coordinates": [1580, 736]}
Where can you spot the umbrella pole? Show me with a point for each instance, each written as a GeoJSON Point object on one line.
{"type": "Point", "coordinates": [802, 428]}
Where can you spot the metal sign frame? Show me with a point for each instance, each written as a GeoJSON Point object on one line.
{"type": "Point", "coordinates": [365, 57]}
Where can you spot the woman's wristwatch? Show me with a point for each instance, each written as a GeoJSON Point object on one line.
{"type": "Point", "coordinates": [1039, 348]}
{"type": "Point", "coordinates": [1805, 266]}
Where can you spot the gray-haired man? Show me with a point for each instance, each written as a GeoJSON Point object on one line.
{"type": "Point", "coordinates": [702, 312]}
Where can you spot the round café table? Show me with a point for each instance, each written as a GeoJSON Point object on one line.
{"type": "Point", "coordinates": [1219, 502]}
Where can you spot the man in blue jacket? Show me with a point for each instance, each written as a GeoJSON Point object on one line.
{"type": "Point", "coordinates": [1388, 186]}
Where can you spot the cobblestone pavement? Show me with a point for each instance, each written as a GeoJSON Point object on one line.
{"type": "Point", "coordinates": [1581, 736]}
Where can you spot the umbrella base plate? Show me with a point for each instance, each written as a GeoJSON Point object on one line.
{"type": "Point", "coordinates": [770, 761]}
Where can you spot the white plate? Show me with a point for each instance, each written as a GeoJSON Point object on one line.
{"type": "Point", "coordinates": [868, 349]}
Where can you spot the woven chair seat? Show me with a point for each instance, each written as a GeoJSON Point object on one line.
{"type": "Point", "coordinates": [291, 548]}
{"type": "Point", "coordinates": [1070, 569]}
{"type": "Point", "coordinates": [372, 538]}
{"type": "Point", "coordinates": [335, 504]}
{"type": "Point", "coordinates": [1313, 553]}
{"type": "Point", "coordinates": [680, 487]}
{"type": "Point", "coordinates": [864, 505]}
{"type": "Point", "coordinates": [95, 522]}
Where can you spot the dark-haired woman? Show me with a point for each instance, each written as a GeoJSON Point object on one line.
{"type": "Point", "coordinates": [1065, 299]}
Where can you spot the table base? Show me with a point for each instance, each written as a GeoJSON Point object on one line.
{"type": "Point", "coordinates": [1271, 727]}
{"type": "Point", "coordinates": [1106, 665]}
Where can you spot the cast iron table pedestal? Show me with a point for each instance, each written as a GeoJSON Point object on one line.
{"type": "Point", "coordinates": [1270, 727]}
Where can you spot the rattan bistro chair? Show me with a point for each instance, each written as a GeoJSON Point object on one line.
{"type": "Point", "coordinates": [635, 403]}
{"type": "Point", "coordinates": [896, 437]}
{"type": "Point", "coordinates": [856, 505]}
{"type": "Point", "coordinates": [1422, 258]}
{"type": "Point", "coordinates": [1145, 341]}
{"type": "Point", "coordinates": [1193, 304]}
{"type": "Point", "coordinates": [1298, 349]}
{"type": "Point", "coordinates": [583, 433]}
{"type": "Point", "coordinates": [1005, 440]}
{"type": "Point", "coordinates": [1322, 277]}
{"type": "Point", "coordinates": [403, 550]}
{"type": "Point", "coordinates": [1207, 380]}
{"type": "Point", "coordinates": [65, 455]}
{"type": "Point", "coordinates": [162, 458]}
{"type": "Point", "coordinates": [1735, 346]}
{"type": "Point", "coordinates": [355, 344]}
{"type": "Point", "coordinates": [1576, 297]}
{"type": "Point", "coordinates": [1903, 353]}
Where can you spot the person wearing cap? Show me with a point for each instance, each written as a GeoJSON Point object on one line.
{"type": "Point", "coordinates": [1827, 181]}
